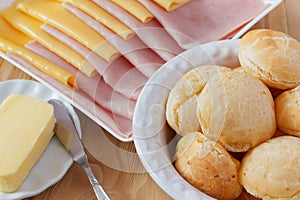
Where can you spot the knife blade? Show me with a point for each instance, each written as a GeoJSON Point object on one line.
{"type": "Point", "coordinates": [65, 116]}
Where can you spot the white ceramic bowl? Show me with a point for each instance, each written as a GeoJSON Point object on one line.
{"type": "Point", "coordinates": [155, 141]}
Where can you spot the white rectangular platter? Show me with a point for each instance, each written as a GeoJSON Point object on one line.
{"type": "Point", "coordinates": [82, 105]}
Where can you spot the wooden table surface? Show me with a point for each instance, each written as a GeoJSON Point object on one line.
{"type": "Point", "coordinates": [119, 180]}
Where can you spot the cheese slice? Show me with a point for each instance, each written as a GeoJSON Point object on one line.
{"type": "Point", "coordinates": [39, 62]}
{"type": "Point", "coordinates": [31, 27]}
{"type": "Point", "coordinates": [53, 13]}
{"type": "Point", "coordinates": [170, 5]}
{"type": "Point", "coordinates": [26, 129]}
{"type": "Point", "coordinates": [10, 33]}
{"type": "Point", "coordinates": [103, 17]}
{"type": "Point", "coordinates": [134, 8]}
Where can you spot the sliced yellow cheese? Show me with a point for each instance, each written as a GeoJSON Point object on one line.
{"type": "Point", "coordinates": [170, 5]}
{"type": "Point", "coordinates": [31, 27]}
{"type": "Point", "coordinates": [103, 17]}
{"type": "Point", "coordinates": [53, 13]}
{"type": "Point", "coordinates": [134, 8]}
{"type": "Point", "coordinates": [26, 129]}
{"type": "Point", "coordinates": [10, 33]}
{"type": "Point", "coordinates": [39, 62]}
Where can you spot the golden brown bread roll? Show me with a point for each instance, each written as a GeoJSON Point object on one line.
{"type": "Point", "coordinates": [208, 166]}
{"type": "Point", "coordinates": [272, 169]}
{"type": "Point", "coordinates": [182, 101]}
{"type": "Point", "coordinates": [272, 56]}
{"type": "Point", "coordinates": [287, 108]}
{"type": "Point", "coordinates": [236, 109]}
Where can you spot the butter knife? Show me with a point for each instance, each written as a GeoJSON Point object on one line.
{"type": "Point", "coordinates": [65, 117]}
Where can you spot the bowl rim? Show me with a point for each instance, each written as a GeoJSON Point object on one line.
{"type": "Point", "coordinates": [147, 128]}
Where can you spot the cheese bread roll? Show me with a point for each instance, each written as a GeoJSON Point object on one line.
{"type": "Point", "coordinates": [208, 166]}
{"type": "Point", "coordinates": [182, 101]}
{"type": "Point", "coordinates": [237, 110]}
{"type": "Point", "coordinates": [272, 169]}
{"type": "Point", "coordinates": [287, 107]}
{"type": "Point", "coordinates": [272, 56]}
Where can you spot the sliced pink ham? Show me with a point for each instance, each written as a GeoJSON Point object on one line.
{"type": "Point", "coordinates": [136, 51]}
{"type": "Point", "coordinates": [113, 72]}
{"type": "Point", "coordinates": [151, 33]}
{"type": "Point", "coordinates": [126, 77]}
{"type": "Point", "coordinates": [113, 101]}
{"type": "Point", "coordinates": [116, 124]}
{"type": "Point", "coordinates": [94, 87]}
{"type": "Point", "coordinates": [201, 21]}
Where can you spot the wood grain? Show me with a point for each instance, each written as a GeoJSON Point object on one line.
{"type": "Point", "coordinates": [128, 185]}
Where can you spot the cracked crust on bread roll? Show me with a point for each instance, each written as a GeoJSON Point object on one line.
{"type": "Point", "coordinates": [272, 169]}
{"type": "Point", "coordinates": [272, 56]}
{"type": "Point", "coordinates": [236, 109]}
{"type": "Point", "coordinates": [208, 166]}
{"type": "Point", "coordinates": [287, 109]}
{"type": "Point", "coordinates": [182, 100]}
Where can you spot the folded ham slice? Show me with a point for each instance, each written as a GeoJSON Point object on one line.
{"type": "Point", "coordinates": [116, 124]}
{"type": "Point", "coordinates": [136, 51]}
{"type": "Point", "coordinates": [203, 21]}
{"type": "Point", "coordinates": [151, 33]}
{"type": "Point", "coordinates": [94, 87]}
{"type": "Point", "coordinates": [120, 74]}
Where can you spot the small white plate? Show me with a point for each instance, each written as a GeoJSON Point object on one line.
{"type": "Point", "coordinates": [154, 140]}
{"type": "Point", "coordinates": [55, 161]}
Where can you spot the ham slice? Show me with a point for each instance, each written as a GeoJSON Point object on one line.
{"type": "Point", "coordinates": [94, 87]}
{"type": "Point", "coordinates": [203, 21]}
{"type": "Point", "coordinates": [151, 33]}
{"type": "Point", "coordinates": [125, 78]}
{"type": "Point", "coordinates": [137, 52]}
{"type": "Point", "coordinates": [117, 73]}
{"type": "Point", "coordinates": [116, 124]}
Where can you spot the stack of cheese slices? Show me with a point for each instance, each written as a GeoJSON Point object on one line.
{"type": "Point", "coordinates": [100, 53]}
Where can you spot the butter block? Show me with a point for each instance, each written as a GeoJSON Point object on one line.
{"type": "Point", "coordinates": [26, 128]}
{"type": "Point", "coordinates": [63, 135]}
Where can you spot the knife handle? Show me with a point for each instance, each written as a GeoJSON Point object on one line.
{"type": "Point", "coordinates": [99, 191]}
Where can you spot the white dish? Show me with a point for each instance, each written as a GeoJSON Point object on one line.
{"type": "Point", "coordinates": [81, 105]}
{"type": "Point", "coordinates": [154, 140]}
{"type": "Point", "coordinates": [55, 161]}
